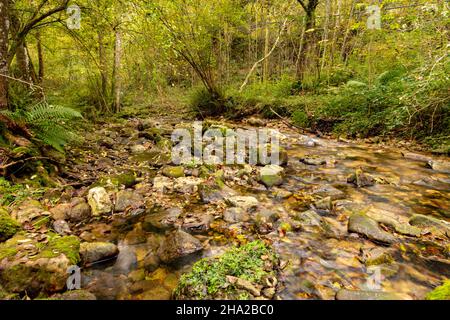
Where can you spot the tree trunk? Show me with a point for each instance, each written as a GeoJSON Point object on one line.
{"type": "Point", "coordinates": [41, 71]}
{"type": "Point", "coordinates": [117, 86]}
{"type": "Point", "coordinates": [103, 70]}
{"type": "Point", "coordinates": [4, 24]}
{"type": "Point", "coordinates": [23, 63]}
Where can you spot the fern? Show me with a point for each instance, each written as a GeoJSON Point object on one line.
{"type": "Point", "coordinates": [48, 123]}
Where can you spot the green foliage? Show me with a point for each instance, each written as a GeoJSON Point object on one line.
{"type": "Point", "coordinates": [440, 293]}
{"type": "Point", "coordinates": [10, 193]}
{"type": "Point", "coordinates": [50, 124]}
{"type": "Point", "coordinates": [205, 104]}
{"type": "Point", "coordinates": [208, 276]}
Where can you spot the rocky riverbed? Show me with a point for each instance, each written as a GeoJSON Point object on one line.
{"type": "Point", "coordinates": [334, 220]}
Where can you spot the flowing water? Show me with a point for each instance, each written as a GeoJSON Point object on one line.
{"type": "Point", "coordinates": [319, 263]}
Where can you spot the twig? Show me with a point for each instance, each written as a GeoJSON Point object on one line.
{"type": "Point", "coordinates": [22, 161]}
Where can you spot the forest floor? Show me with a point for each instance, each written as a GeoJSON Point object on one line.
{"type": "Point", "coordinates": [346, 220]}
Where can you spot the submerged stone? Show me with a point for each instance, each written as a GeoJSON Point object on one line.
{"type": "Point", "coordinates": [178, 244]}
{"type": "Point", "coordinates": [368, 227]}
{"type": "Point", "coordinates": [97, 251]}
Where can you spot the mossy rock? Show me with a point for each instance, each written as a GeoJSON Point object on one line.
{"type": "Point", "coordinates": [173, 172]}
{"type": "Point", "coordinates": [37, 268]}
{"type": "Point", "coordinates": [124, 179]}
{"type": "Point", "coordinates": [440, 293]}
{"type": "Point", "coordinates": [8, 226]}
{"type": "Point", "coordinates": [210, 277]}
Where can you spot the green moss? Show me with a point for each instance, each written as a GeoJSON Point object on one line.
{"type": "Point", "coordinates": [173, 172]}
{"type": "Point", "coordinates": [69, 246]}
{"type": "Point", "coordinates": [125, 179]}
{"type": "Point", "coordinates": [440, 293]}
{"type": "Point", "coordinates": [8, 226]}
{"type": "Point", "coordinates": [208, 276]}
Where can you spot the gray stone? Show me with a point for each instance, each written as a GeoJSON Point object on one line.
{"type": "Point", "coordinates": [99, 201]}
{"type": "Point", "coordinates": [91, 252]}
{"type": "Point", "coordinates": [368, 227]}
{"type": "Point", "coordinates": [178, 244]}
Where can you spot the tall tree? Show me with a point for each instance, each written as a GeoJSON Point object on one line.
{"type": "Point", "coordinates": [4, 23]}
{"type": "Point", "coordinates": [308, 40]}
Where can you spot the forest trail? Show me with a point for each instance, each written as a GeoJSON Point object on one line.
{"type": "Point", "coordinates": [306, 218]}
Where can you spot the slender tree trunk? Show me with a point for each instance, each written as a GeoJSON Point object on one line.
{"type": "Point", "coordinates": [117, 85]}
{"type": "Point", "coordinates": [22, 62]}
{"type": "Point", "coordinates": [103, 69]}
{"type": "Point", "coordinates": [4, 23]}
{"type": "Point", "coordinates": [41, 71]}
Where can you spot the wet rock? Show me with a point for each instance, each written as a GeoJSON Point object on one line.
{"type": "Point", "coordinates": [197, 222]}
{"type": "Point", "coordinates": [28, 211]}
{"type": "Point", "coordinates": [281, 193]}
{"type": "Point", "coordinates": [271, 175]}
{"type": "Point", "coordinates": [312, 219]}
{"type": "Point", "coordinates": [344, 294]}
{"type": "Point", "coordinates": [158, 293]}
{"type": "Point", "coordinates": [61, 211]}
{"type": "Point", "coordinates": [126, 199]}
{"type": "Point", "coordinates": [8, 226]}
{"type": "Point", "coordinates": [61, 227]}
{"type": "Point", "coordinates": [211, 192]}
{"type": "Point", "coordinates": [92, 252]}
{"type": "Point", "coordinates": [244, 202]}
{"type": "Point", "coordinates": [162, 184]}
{"type": "Point", "coordinates": [105, 285]}
{"type": "Point", "coordinates": [368, 227]}
{"type": "Point", "coordinates": [178, 244]}
{"type": "Point", "coordinates": [361, 179]}
{"type": "Point", "coordinates": [245, 285]}
{"type": "Point", "coordinates": [435, 225]}
{"type": "Point", "coordinates": [187, 185]}
{"type": "Point", "coordinates": [35, 268]}
{"type": "Point", "coordinates": [79, 211]}
{"type": "Point", "coordinates": [400, 227]}
{"type": "Point", "coordinates": [159, 219]}
{"type": "Point", "coordinates": [329, 191]}
{"type": "Point", "coordinates": [324, 204]}
{"type": "Point", "coordinates": [440, 165]}
{"type": "Point", "coordinates": [376, 256]}
{"type": "Point", "coordinates": [99, 201]}
{"type": "Point", "coordinates": [173, 172]}
{"type": "Point", "coordinates": [415, 156]}
{"type": "Point", "coordinates": [234, 215]}
{"type": "Point", "coordinates": [313, 161]}
{"type": "Point", "coordinates": [151, 262]}
{"type": "Point", "coordinates": [76, 295]}
{"type": "Point", "coordinates": [269, 293]}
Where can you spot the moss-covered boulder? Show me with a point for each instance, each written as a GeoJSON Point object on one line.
{"type": "Point", "coordinates": [33, 267]}
{"type": "Point", "coordinates": [8, 226]}
{"type": "Point", "coordinates": [440, 293]}
{"type": "Point", "coordinates": [240, 273]}
{"type": "Point", "coordinates": [366, 226]}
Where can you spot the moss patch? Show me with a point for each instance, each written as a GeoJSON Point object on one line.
{"type": "Point", "coordinates": [440, 293]}
{"type": "Point", "coordinates": [69, 246]}
{"type": "Point", "coordinates": [8, 226]}
{"type": "Point", "coordinates": [208, 278]}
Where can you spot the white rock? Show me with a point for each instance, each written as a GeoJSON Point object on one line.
{"type": "Point", "coordinates": [187, 184]}
{"type": "Point", "coordinates": [242, 202]}
{"type": "Point", "coordinates": [99, 201]}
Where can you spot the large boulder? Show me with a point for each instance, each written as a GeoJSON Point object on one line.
{"type": "Point", "coordinates": [91, 252]}
{"type": "Point", "coordinates": [178, 244]}
{"type": "Point", "coordinates": [369, 228]}
{"type": "Point", "coordinates": [99, 201]}
{"type": "Point", "coordinates": [8, 226]}
{"type": "Point", "coordinates": [32, 267]}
